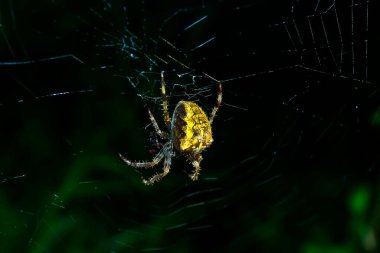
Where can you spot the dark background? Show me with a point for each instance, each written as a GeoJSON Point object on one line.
{"type": "Point", "coordinates": [295, 162]}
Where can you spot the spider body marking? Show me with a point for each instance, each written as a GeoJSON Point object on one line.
{"type": "Point", "coordinates": [191, 129]}
{"type": "Point", "coordinates": [190, 134]}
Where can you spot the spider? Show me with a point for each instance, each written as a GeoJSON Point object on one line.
{"type": "Point", "coordinates": [189, 133]}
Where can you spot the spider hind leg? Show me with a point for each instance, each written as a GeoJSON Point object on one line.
{"type": "Point", "coordinates": [157, 177]}
{"type": "Point", "coordinates": [195, 161]}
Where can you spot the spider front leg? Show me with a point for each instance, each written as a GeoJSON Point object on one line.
{"type": "Point", "coordinates": [195, 161]}
{"type": "Point", "coordinates": [218, 103]}
{"type": "Point", "coordinates": [159, 132]}
{"type": "Point", "coordinates": [146, 164]}
{"type": "Point", "coordinates": [164, 101]}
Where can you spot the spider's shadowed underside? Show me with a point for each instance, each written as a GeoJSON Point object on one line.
{"type": "Point", "coordinates": [189, 133]}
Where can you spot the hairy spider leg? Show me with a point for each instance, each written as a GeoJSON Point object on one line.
{"type": "Point", "coordinates": [218, 103]}
{"type": "Point", "coordinates": [147, 164]}
{"type": "Point", "coordinates": [167, 163]}
{"type": "Point", "coordinates": [195, 161]}
{"type": "Point", "coordinates": [159, 132]}
{"type": "Point", "coordinates": [164, 101]}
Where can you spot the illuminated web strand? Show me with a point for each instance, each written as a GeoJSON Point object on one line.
{"type": "Point", "coordinates": [314, 43]}
{"type": "Point", "coordinates": [199, 227]}
{"type": "Point", "coordinates": [298, 33]}
{"type": "Point", "coordinates": [297, 66]}
{"type": "Point", "coordinates": [170, 44]}
{"type": "Point", "coordinates": [6, 40]}
{"type": "Point", "coordinates": [290, 36]}
{"type": "Point", "coordinates": [320, 28]}
{"type": "Point", "coordinates": [329, 8]}
{"type": "Point", "coordinates": [196, 22]}
{"type": "Point", "coordinates": [193, 195]}
{"type": "Point", "coordinates": [317, 5]}
{"type": "Point", "coordinates": [203, 44]}
{"type": "Point", "coordinates": [300, 41]}
{"type": "Point", "coordinates": [158, 57]}
{"type": "Point", "coordinates": [57, 94]}
{"type": "Point", "coordinates": [64, 93]}
{"type": "Point", "coordinates": [366, 41]}
{"type": "Point", "coordinates": [328, 42]}
{"type": "Point", "coordinates": [352, 38]}
{"type": "Point", "coordinates": [54, 58]}
{"type": "Point", "coordinates": [269, 180]}
{"type": "Point", "coordinates": [181, 225]}
{"type": "Point", "coordinates": [340, 40]}
{"type": "Point", "coordinates": [172, 16]}
{"type": "Point", "coordinates": [4, 180]}
{"type": "Point", "coordinates": [177, 61]}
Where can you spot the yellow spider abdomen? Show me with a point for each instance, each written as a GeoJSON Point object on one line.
{"type": "Point", "coordinates": [191, 129]}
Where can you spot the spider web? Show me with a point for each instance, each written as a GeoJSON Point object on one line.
{"type": "Point", "coordinates": [294, 140]}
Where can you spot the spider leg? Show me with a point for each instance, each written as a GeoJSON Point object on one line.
{"type": "Point", "coordinates": [218, 103]}
{"type": "Point", "coordinates": [157, 129]}
{"type": "Point", "coordinates": [157, 177]}
{"type": "Point", "coordinates": [164, 101]}
{"type": "Point", "coordinates": [147, 164]}
{"type": "Point", "coordinates": [195, 161]}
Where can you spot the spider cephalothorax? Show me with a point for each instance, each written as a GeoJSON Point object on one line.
{"type": "Point", "coordinates": [189, 133]}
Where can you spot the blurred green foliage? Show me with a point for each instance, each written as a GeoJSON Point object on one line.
{"type": "Point", "coordinates": [376, 118]}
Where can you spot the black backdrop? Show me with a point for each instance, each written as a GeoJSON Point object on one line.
{"type": "Point", "coordinates": [295, 162]}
